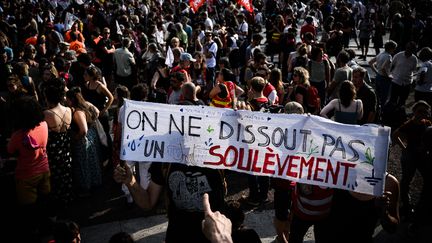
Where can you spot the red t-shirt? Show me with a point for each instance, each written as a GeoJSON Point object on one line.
{"type": "Point", "coordinates": [30, 146]}
{"type": "Point", "coordinates": [307, 28]}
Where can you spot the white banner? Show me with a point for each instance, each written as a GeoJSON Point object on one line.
{"type": "Point", "coordinates": [307, 149]}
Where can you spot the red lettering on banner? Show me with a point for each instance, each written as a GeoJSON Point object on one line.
{"type": "Point", "coordinates": [282, 169]}
{"type": "Point", "coordinates": [214, 153]}
{"type": "Point", "coordinates": [249, 160]}
{"type": "Point", "coordinates": [227, 151]}
{"type": "Point", "coordinates": [334, 172]}
{"type": "Point", "coordinates": [254, 163]}
{"type": "Point", "coordinates": [308, 164]}
{"type": "Point", "coordinates": [346, 172]}
{"type": "Point", "coordinates": [268, 162]}
{"type": "Point", "coordinates": [318, 169]}
{"type": "Point", "coordinates": [291, 165]}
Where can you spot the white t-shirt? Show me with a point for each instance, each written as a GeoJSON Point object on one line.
{"type": "Point", "coordinates": [212, 48]}
{"type": "Point", "coordinates": [243, 28]}
{"type": "Point", "coordinates": [383, 62]}
{"type": "Point", "coordinates": [403, 68]}
{"type": "Point", "coordinates": [426, 69]}
{"type": "Point", "coordinates": [124, 60]}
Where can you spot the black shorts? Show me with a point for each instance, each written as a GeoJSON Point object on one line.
{"type": "Point", "coordinates": [364, 41]}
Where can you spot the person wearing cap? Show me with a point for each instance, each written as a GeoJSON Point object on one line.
{"type": "Point", "coordinates": [64, 47]}
{"type": "Point", "coordinates": [210, 49]}
{"type": "Point", "coordinates": [184, 65]}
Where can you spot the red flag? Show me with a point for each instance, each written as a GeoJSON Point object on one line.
{"type": "Point", "coordinates": [196, 4]}
{"type": "Point", "coordinates": [247, 4]}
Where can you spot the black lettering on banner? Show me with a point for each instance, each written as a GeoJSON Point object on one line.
{"type": "Point", "coordinates": [339, 147]}
{"type": "Point", "coordinates": [267, 142]}
{"type": "Point", "coordinates": [252, 139]}
{"type": "Point", "coordinates": [172, 121]}
{"type": "Point", "coordinates": [281, 138]}
{"type": "Point", "coordinates": [155, 148]}
{"type": "Point", "coordinates": [294, 139]}
{"type": "Point", "coordinates": [305, 134]}
{"type": "Point", "coordinates": [221, 135]}
{"type": "Point", "coordinates": [159, 149]}
{"type": "Point", "coordinates": [152, 125]}
{"type": "Point", "coordinates": [327, 143]}
{"type": "Point", "coordinates": [356, 154]}
{"type": "Point", "coordinates": [193, 127]}
{"type": "Point", "coordinates": [148, 152]}
{"type": "Point", "coordinates": [128, 119]}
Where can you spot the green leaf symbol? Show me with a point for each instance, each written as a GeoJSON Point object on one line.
{"type": "Point", "coordinates": [369, 159]}
{"type": "Point", "coordinates": [210, 129]}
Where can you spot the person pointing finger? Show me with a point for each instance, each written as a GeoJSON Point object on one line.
{"type": "Point", "coordinates": [215, 226]}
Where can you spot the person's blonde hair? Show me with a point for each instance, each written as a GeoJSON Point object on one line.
{"type": "Point", "coordinates": [303, 75]}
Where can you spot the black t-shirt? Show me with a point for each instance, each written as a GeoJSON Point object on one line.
{"type": "Point", "coordinates": [185, 187]}
{"type": "Point", "coordinates": [100, 52]}
{"type": "Point", "coordinates": [368, 97]}
{"type": "Point", "coordinates": [352, 220]}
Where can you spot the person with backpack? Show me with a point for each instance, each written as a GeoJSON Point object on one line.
{"type": "Point", "coordinates": [304, 93]}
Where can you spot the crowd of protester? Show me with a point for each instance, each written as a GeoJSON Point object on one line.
{"type": "Point", "coordinates": [67, 66]}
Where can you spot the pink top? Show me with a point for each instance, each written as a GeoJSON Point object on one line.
{"type": "Point", "coordinates": [30, 147]}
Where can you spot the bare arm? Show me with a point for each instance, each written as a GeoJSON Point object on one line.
{"type": "Point", "coordinates": [79, 118]}
{"type": "Point", "coordinates": [104, 90]}
{"type": "Point", "coordinates": [145, 199]}
{"type": "Point", "coordinates": [372, 64]}
{"type": "Point", "coordinates": [390, 202]}
{"type": "Point", "coordinates": [215, 91]}
{"type": "Point", "coordinates": [327, 108]}
{"type": "Point", "coordinates": [154, 80]}
{"type": "Point", "coordinates": [239, 91]}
